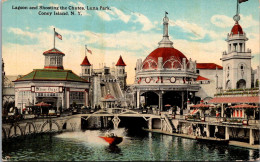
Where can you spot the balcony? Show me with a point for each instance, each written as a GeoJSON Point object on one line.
{"type": "Point", "coordinates": [238, 92]}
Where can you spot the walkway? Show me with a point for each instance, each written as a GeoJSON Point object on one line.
{"type": "Point", "coordinates": [232, 143]}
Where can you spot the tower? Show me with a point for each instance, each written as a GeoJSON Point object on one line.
{"type": "Point", "coordinates": [237, 60]}
{"type": "Point", "coordinates": [86, 71]}
{"type": "Point", "coordinates": [53, 59]}
{"type": "Point", "coordinates": [120, 72]}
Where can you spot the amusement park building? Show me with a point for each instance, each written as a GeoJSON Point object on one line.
{"type": "Point", "coordinates": [54, 85]}
{"type": "Point", "coordinates": [166, 76]}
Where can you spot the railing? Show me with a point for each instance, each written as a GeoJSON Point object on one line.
{"type": "Point", "coordinates": [240, 92]}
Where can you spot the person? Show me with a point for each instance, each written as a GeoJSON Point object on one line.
{"type": "Point", "coordinates": [217, 115]}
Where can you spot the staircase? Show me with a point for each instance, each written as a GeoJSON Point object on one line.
{"type": "Point", "coordinates": [168, 124]}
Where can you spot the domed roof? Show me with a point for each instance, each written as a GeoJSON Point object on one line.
{"type": "Point", "coordinates": [237, 29]}
{"type": "Point", "coordinates": [172, 58]}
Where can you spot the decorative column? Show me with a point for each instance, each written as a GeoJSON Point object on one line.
{"type": "Point", "coordinates": [251, 137]}
{"type": "Point", "coordinates": [86, 97]}
{"type": "Point", "coordinates": [150, 123]}
{"type": "Point", "coordinates": [67, 97]}
{"type": "Point", "coordinates": [63, 99]}
{"type": "Point", "coordinates": [161, 101]}
{"type": "Point", "coordinates": [226, 133]}
{"type": "Point", "coordinates": [207, 130]}
{"type": "Point", "coordinates": [222, 110]}
{"type": "Point", "coordinates": [138, 99]}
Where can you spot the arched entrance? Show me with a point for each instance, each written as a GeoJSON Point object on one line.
{"type": "Point", "coordinates": [172, 98]}
{"type": "Point", "coordinates": [150, 98]}
{"type": "Point", "coordinates": [241, 84]}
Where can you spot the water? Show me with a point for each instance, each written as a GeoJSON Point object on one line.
{"type": "Point", "coordinates": [86, 146]}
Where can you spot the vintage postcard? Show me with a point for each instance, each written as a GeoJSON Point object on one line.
{"type": "Point", "coordinates": [130, 80]}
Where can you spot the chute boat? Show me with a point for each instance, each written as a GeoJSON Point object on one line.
{"type": "Point", "coordinates": [112, 139]}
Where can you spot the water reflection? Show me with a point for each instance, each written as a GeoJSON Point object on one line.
{"type": "Point", "coordinates": [113, 149]}
{"type": "Point", "coordinates": [87, 146]}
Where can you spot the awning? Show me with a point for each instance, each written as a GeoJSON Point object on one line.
{"type": "Point", "coordinates": [194, 111]}
{"type": "Point", "coordinates": [244, 106]}
{"type": "Point", "coordinates": [201, 105]}
{"type": "Point", "coordinates": [42, 104]}
{"type": "Point", "coordinates": [245, 99]}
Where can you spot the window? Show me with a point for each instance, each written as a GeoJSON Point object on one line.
{"type": "Point", "coordinates": [52, 61]}
{"type": "Point", "coordinates": [198, 71]}
{"type": "Point", "coordinates": [241, 67]}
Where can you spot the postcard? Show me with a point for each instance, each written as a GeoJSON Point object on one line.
{"type": "Point", "coordinates": [98, 80]}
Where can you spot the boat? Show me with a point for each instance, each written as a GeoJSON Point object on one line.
{"type": "Point", "coordinates": [212, 140]}
{"type": "Point", "coordinates": [112, 139]}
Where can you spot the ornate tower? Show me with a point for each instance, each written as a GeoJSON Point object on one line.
{"type": "Point", "coordinates": [165, 42]}
{"type": "Point", "coordinates": [237, 60]}
{"type": "Point", "coordinates": [86, 70]}
{"type": "Point", "coordinates": [53, 59]}
{"type": "Point", "coordinates": [120, 72]}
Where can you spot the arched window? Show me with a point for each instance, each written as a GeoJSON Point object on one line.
{"type": "Point", "coordinates": [228, 84]}
{"type": "Point", "coordinates": [241, 84]}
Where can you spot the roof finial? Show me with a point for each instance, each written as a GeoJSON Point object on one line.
{"type": "Point", "coordinates": [237, 17]}
{"type": "Point", "coordinates": [165, 42]}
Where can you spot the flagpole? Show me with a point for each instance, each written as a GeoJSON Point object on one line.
{"type": "Point", "coordinates": [237, 7]}
{"type": "Point", "coordinates": [54, 37]}
{"type": "Point", "coordinates": [85, 50]}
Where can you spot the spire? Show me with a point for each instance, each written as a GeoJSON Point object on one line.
{"type": "Point", "coordinates": [120, 62]}
{"type": "Point", "coordinates": [165, 42]}
{"type": "Point", "coordinates": [85, 62]}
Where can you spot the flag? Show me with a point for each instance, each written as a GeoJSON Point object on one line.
{"type": "Point", "coordinates": [58, 35]}
{"type": "Point", "coordinates": [241, 1]}
{"type": "Point", "coordinates": [89, 51]}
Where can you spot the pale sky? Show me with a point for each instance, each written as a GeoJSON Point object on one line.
{"type": "Point", "coordinates": [198, 28]}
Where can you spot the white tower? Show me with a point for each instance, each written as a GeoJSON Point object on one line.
{"type": "Point", "coordinates": [120, 72]}
{"type": "Point", "coordinates": [237, 60]}
{"type": "Point", "coordinates": [86, 70]}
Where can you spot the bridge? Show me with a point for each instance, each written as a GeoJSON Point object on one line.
{"type": "Point", "coordinates": [73, 122]}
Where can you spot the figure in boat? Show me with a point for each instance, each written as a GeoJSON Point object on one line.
{"type": "Point", "coordinates": [112, 139]}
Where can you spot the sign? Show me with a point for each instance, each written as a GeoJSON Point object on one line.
{"type": "Point", "coordinates": [47, 89]}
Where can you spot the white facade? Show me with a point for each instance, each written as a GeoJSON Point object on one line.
{"type": "Point", "coordinates": [58, 93]}
{"type": "Point", "coordinates": [215, 77]}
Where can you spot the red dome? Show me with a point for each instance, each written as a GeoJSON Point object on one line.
{"type": "Point", "coordinates": [172, 58]}
{"type": "Point", "coordinates": [237, 29]}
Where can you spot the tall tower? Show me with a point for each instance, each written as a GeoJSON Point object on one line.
{"type": "Point", "coordinates": [53, 59]}
{"type": "Point", "coordinates": [237, 60]}
{"type": "Point", "coordinates": [120, 72]}
{"type": "Point", "coordinates": [86, 70]}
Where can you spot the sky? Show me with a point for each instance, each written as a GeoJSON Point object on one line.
{"type": "Point", "coordinates": [132, 29]}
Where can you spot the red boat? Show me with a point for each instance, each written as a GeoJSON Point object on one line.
{"type": "Point", "coordinates": [112, 139]}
